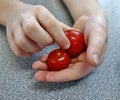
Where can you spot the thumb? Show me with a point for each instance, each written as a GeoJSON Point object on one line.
{"type": "Point", "coordinates": [96, 35]}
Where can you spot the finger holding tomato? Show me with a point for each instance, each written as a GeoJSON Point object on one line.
{"type": "Point", "coordinates": [93, 24]}
{"type": "Point", "coordinates": [58, 60]}
{"type": "Point", "coordinates": [75, 70]}
{"type": "Point", "coordinates": [78, 66]}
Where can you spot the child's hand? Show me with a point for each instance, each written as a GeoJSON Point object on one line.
{"type": "Point", "coordinates": [94, 27]}
{"type": "Point", "coordinates": [30, 28]}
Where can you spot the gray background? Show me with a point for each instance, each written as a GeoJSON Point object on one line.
{"type": "Point", "coordinates": [16, 74]}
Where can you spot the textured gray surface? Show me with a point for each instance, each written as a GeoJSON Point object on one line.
{"type": "Point", "coordinates": [16, 75]}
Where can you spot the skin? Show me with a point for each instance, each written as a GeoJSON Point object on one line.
{"type": "Point", "coordinates": [90, 19]}
{"type": "Point", "coordinates": [28, 31]}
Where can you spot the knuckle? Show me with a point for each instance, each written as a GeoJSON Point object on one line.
{"type": "Point", "coordinates": [101, 22]}
{"type": "Point", "coordinates": [102, 26]}
{"type": "Point", "coordinates": [13, 25]}
{"type": "Point", "coordinates": [21, 16]}
{"type": "Point", "coordinates": [21, 53]}
{"type": "Point", "coordinates": [29, 27]}
{"type": "Point", "coordinates": [48, 42]}
{"type": "Point", "coordinates": [51, 23]}
{"type": "Point", "coordinates": [18, 53]}
{"type": "Point", "coordinates": [39, 8]}
{"type": "Point", "coordinates": [21, 42]}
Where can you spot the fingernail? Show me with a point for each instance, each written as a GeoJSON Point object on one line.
{"type": "Point", "coordinates": [96, 59]}
{"type": "Point", "coordinates": [66, 46]}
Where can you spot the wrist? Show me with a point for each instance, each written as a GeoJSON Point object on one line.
{"type": "Point", "coordinates": [82, 7]}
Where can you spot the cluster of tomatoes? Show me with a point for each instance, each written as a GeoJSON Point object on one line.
{"type": "Point", "coordinates": [59, 59]}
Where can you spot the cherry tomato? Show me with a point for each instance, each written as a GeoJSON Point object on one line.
{"type": "Point", "coordinates": [58, 59]}
{"type": "Point", "coordinates": [76, 39]}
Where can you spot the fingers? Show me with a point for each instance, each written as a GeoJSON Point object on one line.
{"type": "Point", "coordinates": [96, 38]}
{"type": "Point", "coordinates": [80, 23]}
{"type": "Point", "coordinates": [80, 58]}
{"type": "Point", "coordinates": [76, 71]}
{"type": "Point", "coordinates": [95, 31]}
{"type": "Point", "coordinates": [17, 51]}
{"type": "Point", "coordinates": [38, 65]}
{"type": "Point", "coordinates": [24, 42]}
{"type": "Point", "coordinates": [41, 64]}
{"type": "Point", "coordinates": [34, 31]}
{"type": "Point", "coordinates": [53, 27]}
{"type": "Point", "coordinates": [36, 28]}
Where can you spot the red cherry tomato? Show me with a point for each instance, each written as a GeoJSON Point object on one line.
{"type": "Point", "coordinates": [76, 39]}
{"type": "Point", "coordinates": [58, 59]}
